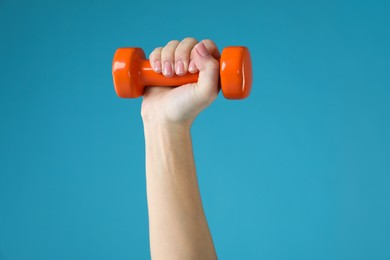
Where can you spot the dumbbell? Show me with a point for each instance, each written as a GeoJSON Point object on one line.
{"type": "Point", "coordinates": [131, 72]}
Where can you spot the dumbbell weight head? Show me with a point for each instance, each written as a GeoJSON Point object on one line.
{"type": "Point", "coordinates": [235, 72]}
{"type": "Point", "coordinates": [125, 72]}
{"type": "Point", "coordinates": [132, 72]}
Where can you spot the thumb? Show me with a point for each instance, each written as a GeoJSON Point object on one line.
{"type": "Point", "coordinates": [207, 87]}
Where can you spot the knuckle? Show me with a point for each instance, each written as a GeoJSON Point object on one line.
{"type": "Point", "coordinates": [212, 47]}
{"type": "Point", "coordinates": [172, 43]}
{"type": "Point", "coordinates": [167, 54]}
{"type": "Point", "coordinates": [156, 53]}
{"type": "Point", "coordinates": [181, 54]}
{"type": "Point", "coordinates": [208, 42]}
{"type": "Point", "coordinates": [213, 64]}
{"type": "Point", "coordinates": [184, 48]}
{"type": "Point", "coordinates": [169, 50]}
{"type": "Point", "coordinates": [190, 40]}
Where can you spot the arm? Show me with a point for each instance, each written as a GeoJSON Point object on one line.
{"type": "Point", "coordinates": [178, 227]}
{"type": "Point", "coordinates": [177, 223]}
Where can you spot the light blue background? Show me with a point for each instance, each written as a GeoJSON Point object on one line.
{"type": "Point", "coordinates": [300, 170]}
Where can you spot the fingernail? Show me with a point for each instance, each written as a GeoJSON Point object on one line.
{"type": "Point", "coordinates": [179, 67]}
{"type": "Point", "coordinates": [157, 66]}
{"type": "Point", "coordinates": [167, 70]}
{"type": "Point", "coordinates": [202, 50]}
{"type": "Point", "coordinates": [191, 67]}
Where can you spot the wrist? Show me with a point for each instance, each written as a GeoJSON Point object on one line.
{"type": "Point", "coordinates": [165, 131]}
{"type": "Point", "coordinates": [165, 125]}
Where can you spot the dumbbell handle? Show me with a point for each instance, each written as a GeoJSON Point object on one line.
{"type": "Point", "coordinates": [149, 77]}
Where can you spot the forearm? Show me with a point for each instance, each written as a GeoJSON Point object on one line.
{"type": "Point", "coordinates": [178, 226]}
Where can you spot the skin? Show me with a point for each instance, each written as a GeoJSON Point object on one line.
{"type": "Point", "coordinates": [177, 223]}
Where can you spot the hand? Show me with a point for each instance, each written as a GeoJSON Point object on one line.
{"type": "Point", "coordinates": [181, 105]}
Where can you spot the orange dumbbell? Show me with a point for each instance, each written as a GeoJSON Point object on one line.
{"type": "Point", "coordinates": [131, 72]}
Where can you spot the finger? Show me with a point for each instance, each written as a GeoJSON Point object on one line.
{"type": "Point", "coordinates": [192, 67]}
{"type": "Point", "coordinates": [207, 86]}
{"type": "Point", "coordinates": [212, 49]}
{"type": "Point", "coordinates": [155, 60]}
{"type": "Point", "coordinates": [168, 58]}
{"type": "Point", "coordinates": [182, 55]}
